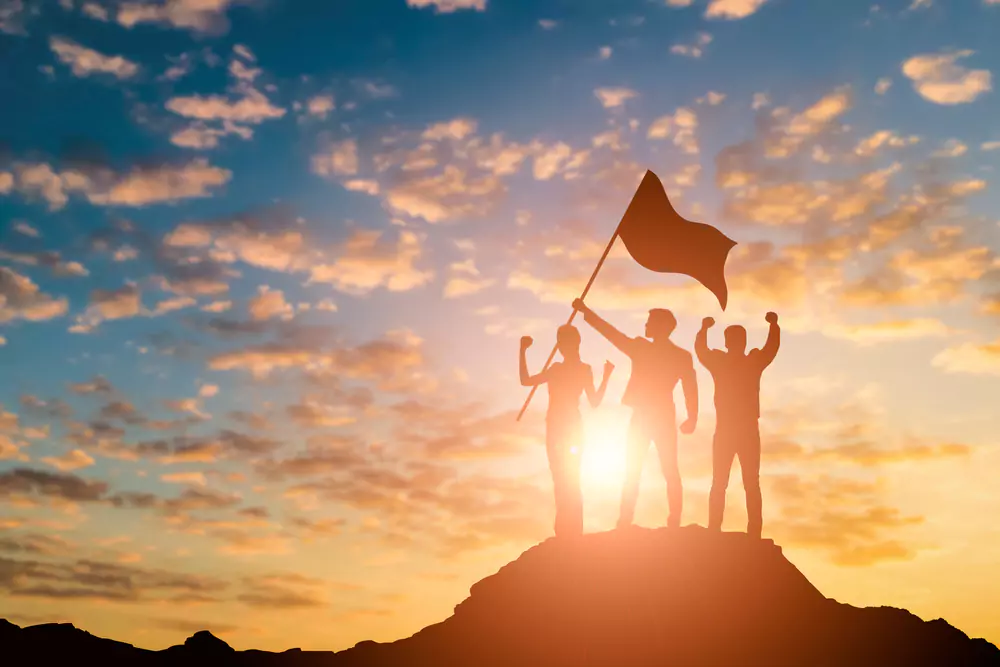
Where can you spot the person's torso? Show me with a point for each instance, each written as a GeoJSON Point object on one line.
{"type": "Point", "coordinates": [656, 370]}
{"type": "Point", "coordinates": [566, 382]}
{"type": "Point", "coordinates": [737, 387]}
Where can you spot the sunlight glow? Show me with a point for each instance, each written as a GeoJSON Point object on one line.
{"type": "Point", "coordinates": [603, 464]}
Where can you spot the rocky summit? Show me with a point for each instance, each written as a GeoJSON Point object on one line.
{"type": "Point", "coordinates": [631, 597]}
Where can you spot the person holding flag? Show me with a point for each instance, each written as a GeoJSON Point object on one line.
{"type": "Point", "coordinates": [657, 366]}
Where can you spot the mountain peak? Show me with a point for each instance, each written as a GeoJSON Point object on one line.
{"type": "Point", "coordinates": [683, 596]}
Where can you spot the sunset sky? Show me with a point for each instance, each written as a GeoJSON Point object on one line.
{"type": "Point", "coordinates": [264, 265]}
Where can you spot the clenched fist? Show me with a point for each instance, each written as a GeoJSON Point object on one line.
{"type": "Point", "coordinates": [526, 342]}
{"type": "Point", "coordinates": [578, 304]}
{"type": "Point", "coordinates": [772, 318]}
{"type": "Point", "coordinates": [707, 323]}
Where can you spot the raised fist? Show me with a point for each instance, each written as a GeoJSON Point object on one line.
{"type": "Point", "coordinates": [608, 367]}
{"type": "Point", "coordinates": [578, 304]}
{"type": "Point", "coordinates": [772, 318]}
{"type": "Point", "coordinates": [707, 323]}
{"type": "Point", "coordinates": [526, 342]}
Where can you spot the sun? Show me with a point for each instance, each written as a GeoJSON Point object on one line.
{"type": "Point", "coordinates": [603, 463]}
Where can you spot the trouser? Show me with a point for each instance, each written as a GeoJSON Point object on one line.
{"type": "Point", "coordinates": [732, 439]}
{"type": "Point", "coordinates": [564, 445]}
{"type": "Point", "coordinates": [661, 429]}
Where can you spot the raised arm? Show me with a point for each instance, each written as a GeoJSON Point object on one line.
{"type": "Point", "coordinates": [770, 349]}
{"type": "Point", "coordinates": [689, 382]}
{"type": "Point", "coordinates": [705, 355]}
{"type": "Point", "coordinates": [614, 336]}
{"type": "Point", "coordinates": [596, 396]}
{"type": "Point", "coordinates": [528, 380]}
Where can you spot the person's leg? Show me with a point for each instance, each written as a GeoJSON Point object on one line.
{"type": "Point", "coordinates": [749, 453]}
{"type": "Point", "coordinates": [557, 466]}
{"type": "Point", "coordinates": [635, 451]}
{"type": "Point", "coordinates": [666, 449]}
{"type": "Point", "coordinates": [574, 495]}
{"type": "Point", "coordinates": [722, 462]}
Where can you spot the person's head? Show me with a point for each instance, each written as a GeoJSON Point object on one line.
{"type": "Point", "coordinates": [736, 339]}
{"type": "Point", "coordinates": [568, 341]}
{"type": "Point", "coordinates": [660, 323]}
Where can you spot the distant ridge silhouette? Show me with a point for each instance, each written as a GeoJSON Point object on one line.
{"type": "Point", "coordinates": [683, 596]}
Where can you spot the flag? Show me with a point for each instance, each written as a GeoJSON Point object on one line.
{"type": "Point", "coordinates": [661, 240]}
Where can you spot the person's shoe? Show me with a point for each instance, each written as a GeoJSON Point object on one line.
{"type": "Point", "coordinates": [623, 524]}
{"type": "Point", "coordinates": [673, 523]}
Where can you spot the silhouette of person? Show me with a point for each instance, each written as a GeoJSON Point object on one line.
{"type": "Point", "coordinates": [566, 380]}
{"type": "Point", "coordinates": [657, 366]}
{"type": "Point", "coordinates": [736, 374]}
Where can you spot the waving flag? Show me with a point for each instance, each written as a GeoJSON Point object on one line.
{"type": "Point", "coordinates": [661, 240]}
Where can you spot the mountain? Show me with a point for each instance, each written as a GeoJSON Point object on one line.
{"type": "Point", "coordinates": [634, 597]}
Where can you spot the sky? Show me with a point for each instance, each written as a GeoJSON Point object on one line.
{"type": "Point", "coordinates": [264, 266]}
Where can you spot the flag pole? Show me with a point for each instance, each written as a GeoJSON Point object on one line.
{"type": "Point", "coordinates": [586, 289]}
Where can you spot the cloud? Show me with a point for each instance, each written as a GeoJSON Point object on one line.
{"type": "Point", "coordinates": [20, 298]}
{"type": "Point", "coordinates": [450, 194]}
{"type": "Point", "coordinates": [457, 129]}
{"type": "Point", "coordinates": [970, 358]}
{"type": "Point", "coordinates": [97, 385]}
{"type": "Point", "coordinates": [682, 126]}
{"type": "Point", "coordinates": [269, 304]}
{"type": "Point", "coordinates": [883, 85]}
{"type": "Point", "coordinates": [121, 303]}
{"type": "Point", "coordinates": [139, 187]}
{"type": "Point", "coordinates": [368, 186]}
{"type": "Point", "coordinates": [369, 259]}
{"type": "Point", "coordinates": [203, 16]}
{"type": "Point", "coordinates": [612, 98]}
{"type": "Point", "coordinates": [712, 98]}
{"type": "Point", "coordinates": [11, 17]}
{"type": "Point", "coordinates": [50, 259]}
{"type": "Point", "coordinates": [890, 331]}
{"type": "Point", "coordinates": [939, 78]}
{"type": "Point", "coordinates": [72, 460]}
{"type": "Point", "coordinates": [340, 160]}
{"type": "Point", "coordinates": [448, 6]}
{"type": "Point", "coordinates": [732, 9]}
{"type": "Point", "coordinates": [465, 279]}
{"type": "Point", "coordinates": [604, 53]}
{"type": "Point", "coordinates": [95, 11]}
{"type": "Point", "coordinates": [952, 148]}
{"type": "Point", "coordinates": [391, 361]}
{"type": "Point", "coordinates": [84, 62]}
{"type": "Point", "coordinates": [253, 108]}
{"type": "Point", "coordinates": [98, 580]}
{"type": "Point", "coordinates": [25, 481]}
{"type": "Point", "coordinates": [870, 145]}
{"type": "Point", "coordinates": [189, 478]}
{"type": "Point", "coordinates": [695, 49]}
{"type": "Point", "coordinates": [852, 525]}
{"type": "Point", "coordinates": [558, 158]}
{"type": "Point", "coordinates": [320, 105]}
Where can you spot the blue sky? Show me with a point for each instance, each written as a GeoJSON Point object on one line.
{"type": "Point", "coordinates": [265, 265]}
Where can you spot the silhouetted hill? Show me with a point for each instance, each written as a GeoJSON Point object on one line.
{"type": "Point", "coordinates": [637, 597]}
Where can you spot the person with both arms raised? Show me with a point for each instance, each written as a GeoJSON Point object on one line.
{"type": "Point", "coordinates": [737, 411]}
